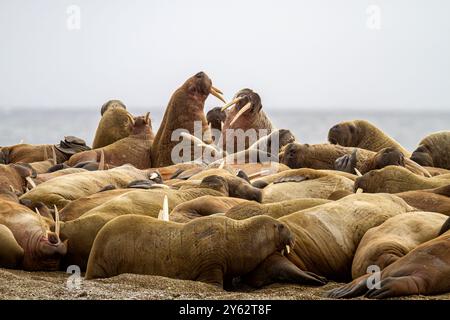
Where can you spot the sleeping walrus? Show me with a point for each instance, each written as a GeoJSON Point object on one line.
{"type": "Point", "coordinates": [362, 134]}
{"type": "Point", "coordinates": [212, 250]}
{"type": "Point", "coordinates": [434, 150]}
{"type": "Point", "coordinates": [184, 109]}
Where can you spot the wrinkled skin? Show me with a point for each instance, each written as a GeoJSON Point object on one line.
{"type": "Point", "coordinates": [27, 153]}
{"type": "Point", "coordinates": [395, 179]}
{"type": "Point", "coordinates": [185, 107]}
{"type": "Point", "coordinates": [81, 232]}
{"type": "Point", "coordinates": [41, 178]}
{"type": "Point", "coordinates": [134, 149]}
{"type": "Point", "coordinates": [425, 271]}
{"type": "Point", "coordinates": [385, 244]}
{"type": "Point", "coordinates": [13, 177]}
{"type": "Point", "coordinates": [327, 237]}
{"type": "Point", "coordinates": [28, 243]}
{"type": "Point", "coordinates": [362, 134]}
{"type": "Point", "coordinates": [434, 200]}
{"type": "Point", "coordinates": [61, 190]}
{"type": "Point", "coordinates": [114, 125]}
{"type": "Point", "coordinates": [202, 250]}
{"type": "Point", "coordinates": [276, 210]}
{"type": "Point", "coordinates": [434, 150]}
{"type": "Point", "coordinates": [255, 118]}
{"type": "Point", "coordinates": [203, 206]}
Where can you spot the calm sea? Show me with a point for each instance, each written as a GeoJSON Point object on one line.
{"type": "Point", "coordinates": [50, 126]}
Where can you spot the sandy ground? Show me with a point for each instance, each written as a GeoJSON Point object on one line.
{"type": "Point", "coordinates": [16, 284]}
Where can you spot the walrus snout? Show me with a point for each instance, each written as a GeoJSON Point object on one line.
{"type": "Point", "coordinates": [287, 239]}
{"type": "Point", "coordinates": [390, 156]}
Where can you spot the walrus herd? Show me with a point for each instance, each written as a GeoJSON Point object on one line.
{"type": "Point", "coordinates": [228, 199]}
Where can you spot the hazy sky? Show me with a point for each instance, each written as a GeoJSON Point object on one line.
{"type": "Point", "coordinates": [298, 54]}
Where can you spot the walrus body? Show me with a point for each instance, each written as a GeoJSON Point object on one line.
{"type": "Point", "coordinates": [327, 237]}
{"type": "Point", "coordinates": [211, 250]}
{"type": "Point", "coordinates": [13, 177]}
{"type": "Point", "coordinates": [425, 271]}
{"type": "Point", "coordinates": [395, 179]}
{"type": "Point", "coordinates": [434, 200]}
{"type": "Point", "coordinates": [434, 150]}
{"type": "Point", "coordinates": [116, 123]}
{"type": "Point", "coordinates": [61, 190]}
{"type": "Point", "coordinates": [184, 109]}
{"type": "Point", "coordinates": [275, 210]}
{"type": "Point", "coordinates": [385, 244]}
{"type": "Point", "coordinates": [362, 134]}
{"type": "Point", "coordinates": [134, 149]}
{"type": "Point", "coordinates": [41, 178]}
{"type": "Point", "coordinates": [27, 241]}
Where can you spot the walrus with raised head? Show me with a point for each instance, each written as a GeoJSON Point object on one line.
{"type": "Point", "coordinates": [184, 109]}
{"type": "Point", "coordinates": [134, 149]}
{"type": "Point", "coordinates": [246, 115]}
{"type": "Point", "coordinates": [212, 250]}
{"type": "Point", "coordinates": [385, 244]}
{"type": "Point", "coordinates": [425, 271]}
{"type": "Point", "coordinates": [327, 237]}
{"type": "Point", "coordinates": [434, 150]}
{"type": "Point", "coordinates": [364, 135]}
{"type": "Point", "coordinates": [395, 179]}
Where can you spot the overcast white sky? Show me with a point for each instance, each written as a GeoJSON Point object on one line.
{"type": "Point", "coordinates": [297, 54]}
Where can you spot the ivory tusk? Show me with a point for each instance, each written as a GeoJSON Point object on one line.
{"type": "Point", "coordinates": [31, 182]}
{"type": "Point", "coordinates": [241, 112]}
{"type": "Point", "coordinates": [360, 190]}
{"type": "Point", "coordinates": [164, 213]}
{"type": "Point", "coordinates": [416, 168]}
{"type": "Point", "coordinates": [288, 249]}
{"type": "Point", "coordinates": [232, 103]}
{"type": "Point", "coordinates": [154, 175]}
{"type": "Point", "coordinates": [217, 95]}
{"type": "Point", "coordinates": [358, 173]}
{"type": "Point", "coordinates": [259, 173]}
{"type": "Point", "coordinates": [131, 118]}
{"type": "Point", "coordinates": [217, 90]}
{"type": "Point", "coordinates": [57, 221]}
{"type": "Point", "coordinates": [222, 164]}
{"type": "Point", "coordinates": [41, 222]}
{"type": "Point", "coordinates": [55, 161]}
{"type": "Point", "coordinates": [101, 164]}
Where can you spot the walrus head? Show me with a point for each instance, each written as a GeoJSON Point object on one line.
{"type": "Point", "coordinates": [422, 156]}
{"type": "Point", "coordinates": [200, 86]}
{"type": "Point", "coordinates": [344, 134]}
{"type": "Point", "coordinates": [232, 186]}
{"type": "Point", "coordinates": [216, 117]}
{"type": "Point", "coordinates": [291, 155]}
{"type": "Point", "coordinates": [142, 125]}
{"type": "Point", "coordinates": [246, 102]}
{"type": "Point", "coordinates": [111, 104]}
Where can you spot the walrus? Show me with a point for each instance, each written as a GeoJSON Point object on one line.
{"type": "Point", "coordinates": [116, 123]}
{"type": "Point", "coordinates": [215, 118]}
{"type": "Point", "coordinates": [364, 135]}
{"type": "Point", "coordinates": [40, 178]}
{"type": "Point", "coordinates": [425, 271]}
{"type": "Point", "coordinates": [394, 238]}
{"type": "Point", "coordinates": [28, 153]}
{"type": "Point", "coordinates": [63, 189]}
{"type": "Point", "coordinates": [134, 149]}
{"type": "Point", "coordinates": [434, 200]}
{"type": "Point", "coordinates": [27, 242]}
{"type": "Point", "coordinates": [81, 232]}
{"type": "Point", "coordinates": [327, 237]}
{"type": "Point", "coordinates": [203, 206]}
{"type": "Point", "coordinates": [336, 157]}
{"type": "Point", "coordinates": [245, 116]}
{"type": "Point", "coordinates": [395, 179]}
{"type": "Point", "coordinates": [184, 109]}
{"type": "Point", "coordinates": [434, 150]}
{"type": "Point", "coordinates": [275, 210]}
{"type": "Point", "coordinates": [15, 176]}
{"type": "Point", "coordinates": [212, 250]}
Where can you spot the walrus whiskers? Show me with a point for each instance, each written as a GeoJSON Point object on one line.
{"type": "Point", "coordinates": [232, 103]}
{"type": "Point", "coordinates": [241, 112]}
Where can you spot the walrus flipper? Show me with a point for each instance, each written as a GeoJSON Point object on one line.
{"type": "Point", "coordinates": [347, 163]}
{"type": "Point", "coordinates": [277, 268]}
{"type": "Point", "coordinates": [350, 290]}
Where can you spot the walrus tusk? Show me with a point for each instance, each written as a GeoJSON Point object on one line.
{"type": "Point", "coordinates": [57, 221]}
{"type": "Point", "coordinates": [217, 95]}
{"type": "Point", "coordinates": [222, 164]}
{"type": "Point", "coordinates": [414, 167]}
{"type": "Point", "coordinates": [217, 90]}
{"type": "Point", "coordinates": [241, 112]}
{"type": "Point", "coordinates": [12, 189]}
{"type": "Point", "coordinates": [282, 252]}
{"type": "Point", "coordinates": [160, 186]}
{"type": "Point", "coordinates": [41, 222]}
{"type": "Point", "coordinates": [358, 173]}
{"type": "Point", "coordinates": [164, 213]}
{"type": "Point", "coordinates": [154, 175]}
{"type": "Point", "coordinates": [232, 103]}
{"type": "Point", "coordinates": [259, 173]}
{"type": "Point", "coordinates": [31, 182]}
{"type": "Point", "coordinates": [288, 249]}
{"type": "Point", "coordinates": [55, 162]}
{"type": "Point", "coordinates": [131, 118]}
{"type": "Point", "coordinates": [360, 190]}
{"type": "Point", "coordinates": [147, 117]}
{"type": "Point", "coordinates": [101, 164]}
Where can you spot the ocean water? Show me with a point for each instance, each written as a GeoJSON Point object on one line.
{"type": "Point", "coordinates": [37, 126]}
